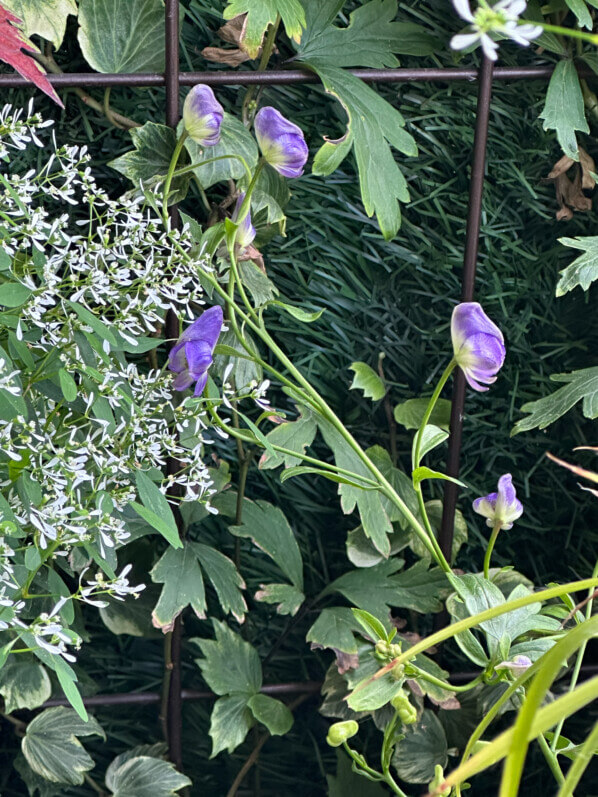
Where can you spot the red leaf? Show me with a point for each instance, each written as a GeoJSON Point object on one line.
{"type": "Point", "coordinates": [14, 46]}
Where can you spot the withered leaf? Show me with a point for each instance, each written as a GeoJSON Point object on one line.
{"type": "Point", "coordinates": [572, 194]}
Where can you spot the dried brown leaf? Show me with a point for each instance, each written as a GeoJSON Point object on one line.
{"type": "Point", "coordinates": [219, 55]}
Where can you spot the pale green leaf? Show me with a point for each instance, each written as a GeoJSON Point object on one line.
{"type": "Point", "coordinates": [583, 271]}
{"type": "Point", "coordinates": [271, 713]}
{"type": "Point", "coordinates": [581, 11]}
{"type": "Point", "coordinates": [245, 371]}
{"type": "Point", "coordinates": [230, 722]}
{"type": "Point", "coordinates": [179, 571]}
{"type": "Point", "coordinates": [564, 107]}
{"type": "Point", "coordinates": [122, 37]}
{"type": "Point", "coordinates": [423, 472]}
{"type": "Point", "coordinates": [410, 413]}
{"type": "Point", "coordinates": [334, 629]}
{"type": "Point", "coordinates": [298, 312]}
{"type": "Point", "coordinates": [432, 437]}
{"type": "Point", "coordinates": [371, 625]}
{"type": "Point", "coordinates": [261, 14]}
{"type": "Point", "coordinates": [52, 748]}
{"type": "Point", "coordinates": [269, 529]}
{"type": "Point", "coordinates": [230, 665]}
{"type": "Point", "coordinates": [373, 127]}
{"type": "Point", "coordinates": [370, 39]}
{"type": "Point", "coordinates": [261, 287]}
{"type": "Point", "coordinates": [579, 386]}
{"type": "Point", "coordinates": [46, 18]}
{"type": "Point", "coordinates": [154, 500]}
{"type": "Point", "coordinates": [13, 294]}
{"type": "Point", "coordinates": [67, 385]}
{"type": "Point", "coordinates": [235, 139]}
{"type": "Point", "coordinates": [293, 435]}
{"type": "Point", "coordinates": [24, 685]}
{"type": "Point", "coordinates": [144, 775]}
{"type": "Point", "coordinates": [367, 380]}
{"type": "Point", "coordinates": [423, 747]}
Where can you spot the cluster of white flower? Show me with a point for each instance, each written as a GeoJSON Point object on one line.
{"type": "Point", "coordinates": [86, 419]}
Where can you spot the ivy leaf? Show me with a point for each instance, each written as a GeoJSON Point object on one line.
{"type": "Point", "coordinates": [230, 665]}
{"type": "Point", "coordinates": [423, 747]}
{"type": "Point", "coordinates": [154, 145]}
{"type": "Point", "coordinates": [564, 107]}
{"type": "Point", "coordinates": [230, 722]}
{"type": "Point", "coordinates": [47, 18]}
{"type": "Point", "coordinates": [179, 571]}
{"type": "Point", "coordinates": [52, 748]}
{"type": "Point", "coordinates": [272, 713]}
{"type": "Point", "coordinates": [235, 139]}
{"type": "Point", "coordinates": [269, 529]}
{"type": "Point", "coordinates": [373, 127]}
{"type": "Point", "coordinates": [293, 435]}
{"type": "Point", "coordinates": [579, 386]}
{"type": "Point", "coordinates": [367, 379]}
{"type": "Point", "coordinates": [370, 39]}
{"type": "Point", "coordinates": [288, 597]}
{"type": "Point", "coordinates": [584, 269]}
{"type": "Point", "coordinates": [261, 14]}
{"type": "Point", "coordinates": [143, 775]}
{"type": "Point", "coordinates": [15, 50]}
{"type": "Point", "coordinates": [122, 37]}
{"type": "Point", "coordinates": [377, 588]}
{"type": "Point", "coordinates": [410, 413]}
{"type": "Point", "coordinates": [24, 685]}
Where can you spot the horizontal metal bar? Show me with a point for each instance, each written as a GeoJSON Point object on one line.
{"type": "Point", "coordinates": [283, 77]}
{"type": "Point", "coordinates": [291, 688]}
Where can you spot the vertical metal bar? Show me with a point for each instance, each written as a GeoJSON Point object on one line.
{"type": "Point", "coordinates": [174, 714]}
{"type": "Point", "coordinates": [467, 290]}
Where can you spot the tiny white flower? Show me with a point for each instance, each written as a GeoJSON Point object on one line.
{"type": "Point", "coordinates": [502, 18]}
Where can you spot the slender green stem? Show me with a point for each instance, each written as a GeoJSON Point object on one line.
{"type": "Point", "coordinates": [247, 112]}
{"type": "Point", "coordinates": [580, 763]}
{"type": "Point", "coordinates": [572, 33]}
{"type": "Point", "coordinates": [361, 762]}
{"type": "Point", "coordinates": [425, 676]}
{"type": "Point", "coordinates": [169, 176]}
{"type": "Point", "coordinates": [191, 167]}
{"type": "Point", "coordinates": [490, 548]}
{"type": "Point", "coordinates": [551, 760]}
{"type": "Point", "coordinates": [428, 413]}
{"type": "Point", "coordinates": [577, 665]}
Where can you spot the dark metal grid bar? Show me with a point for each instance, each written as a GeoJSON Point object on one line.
{"type": "Point", "coordinates": [281, 77]}
{"type": "Point", "coordinates": [476, 189]}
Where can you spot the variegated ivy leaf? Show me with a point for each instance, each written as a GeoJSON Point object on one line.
{"type": "Point", "coordinates": [46, 18]}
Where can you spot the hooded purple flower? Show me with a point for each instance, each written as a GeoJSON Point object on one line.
{"type": "Point", "coordinates": [478, 344]}
{"type": "Point", "coordinates": [245, 230]}
{"type": "Point", "coordinates": [502, 507]}
{"type": "Point", "coordinates": [281, 142]}
{"type": "Point", "coordinates": [202, 115]}
{"type": "Point", "coordinates": [191, 357]}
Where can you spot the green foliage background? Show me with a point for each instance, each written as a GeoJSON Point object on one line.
{"type": "Point", "coordinates": [394, 297]}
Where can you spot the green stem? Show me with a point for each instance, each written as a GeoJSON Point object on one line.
{"type": "Point", "coordinates": [443, 684]}
{"type": "Point", "coordinates": [169, 176]}
{"type": "Point", "coordinates": [551, 760]}
{"type": "Point", "coordinates": [361, 763]}
{"type": "Point", "coordinates": [580, 763]}
{"type": "Point", "coordinates": [191, 167]}
{"type": "Point", "coordinates": [247, 112]}
{"type": "Point", "coordinates": [490, 548]}
{"type": "Point", "coordinates": [577, 666]}
{"type": "Point", "coordinates": [572, 33]}
{"type": "Point", "coordinates": [428, 413]}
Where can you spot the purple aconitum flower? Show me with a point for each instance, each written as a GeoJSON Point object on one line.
{"type": "Point", "coordinates": [502, 507]}
{"type": "Point", "coordinates": [245, 230]}
{"type": "Point", "coordinates": [517, 666]}
{"type": "Point", "coordinates": [191, 357]}
{"type": "Point", "coordinates": [281, 142]}
{"type": "Point", "coordinates": [478, 344]}
{"type": "Point", "coordinates": [202, 116]}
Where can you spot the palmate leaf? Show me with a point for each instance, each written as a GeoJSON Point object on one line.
{"type": "Point", "coordinates": [373, 127]}
{"type": "Point", "coordinates": [52, 748]}
{"type": "Point", "coordinates": [15, 50]}
{"type": "Point", "coordinates": [579, 386]}
{"type": "Point", "coordinates": [230, 722]}
{"type": "Point", "coordinates": [122, 37]}
{"type": "Point", "coordinates": [47, 18]}
{"type": "Point", "coordinates": [230, 665]}
{"type": "Point", "coordinates": [564, 107]}
{"type": "Point", "coordinates": [293, 435]}
{"type": "Point", "coordinates": [584, 269]}
{"type": "Point", "coordinates": [261, 14]}
{"type": "Point", "coordinates": [370, 39]}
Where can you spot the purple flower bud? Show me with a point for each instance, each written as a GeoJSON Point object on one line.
{"type": "Point", "coordinates": [518, 666]}
{"type": "Point", "coordinates": [202, 115]}
{"type": "Point", "coordinates": [191, 357]}
{"type": "Point", "coordinates": [281, 142]}
{"type": "Point", "coordinates": [502, 507]}
{"type": "Point", "coordinates": [245, 230]}
{"type": "Point", "coordinates": [478, 344]}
